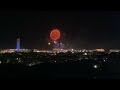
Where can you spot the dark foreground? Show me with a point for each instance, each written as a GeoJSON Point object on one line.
{"type": "Point", "coordinates": [59, 71]}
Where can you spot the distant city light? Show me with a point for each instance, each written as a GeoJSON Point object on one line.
{"type": "Point", "coordinates": [95, 66]}
{"type": "Point", "coordinates": [72, 52]}
{"type": "Point", "coordinates": [30, 65]}
{"type": "Point", "coordinates": [100, 50]}
{"type": "Point", "coordinates": [85, 53]}
{"type": "Point", "coordinates": [80, 59]}
{"type": "Point", "coordinates": [55, 42]}
{"type": "Point", "coordinates": [48, 43]}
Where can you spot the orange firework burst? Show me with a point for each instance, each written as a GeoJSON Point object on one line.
{"type": "Point", "coordinates": [55, 34]}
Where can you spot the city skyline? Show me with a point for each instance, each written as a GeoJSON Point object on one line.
{"type": "Point", "coordinates": [81, 29]}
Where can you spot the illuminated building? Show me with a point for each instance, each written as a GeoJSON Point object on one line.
{"type": "Point", "coordinates": [114, 50]}
{"type": "Point", "coordinates": [18, 44]}
{"type": "Point", "coordinates": [100, 50]}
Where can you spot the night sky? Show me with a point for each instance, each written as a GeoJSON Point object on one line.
{"type": "Point", "coordinates": [80, 29]}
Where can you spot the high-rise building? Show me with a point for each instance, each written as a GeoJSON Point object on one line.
{"type": "Point", "coordinates": [18, 44]}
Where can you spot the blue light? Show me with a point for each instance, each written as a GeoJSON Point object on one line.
{"type": "Point", "coordinates": [56, 45]}
{"type": "Point", "coordinates": [18, 44]}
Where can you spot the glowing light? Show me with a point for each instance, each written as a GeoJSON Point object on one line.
{"type": "Point", "coordinates": [18, 44]}
{"type": "Point", "coordinates": [55, 34]}
{"type": "Point", "coordinates": [100, 50]}
{"type": "Point", "coordinates": [48, 43]}
{"type": "Point", "coordinates": [104, 60]}
{"type": "Point", "coordinates": [72, 52]}
{"type": "Point", "coordinates": [55, 42]}
{"type": "Point", "coordinates": [30, 64]}
{"type": "Point", "coordinates": [95, 66]}
{"type": "Point", "coordinates": [85, 53]}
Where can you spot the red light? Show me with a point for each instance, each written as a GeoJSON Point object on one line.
{"type": "Point", "coordinates": [55, 34]}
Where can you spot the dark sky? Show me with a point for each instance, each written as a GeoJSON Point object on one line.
{"type": "Point", "coordinates": [80, 29]}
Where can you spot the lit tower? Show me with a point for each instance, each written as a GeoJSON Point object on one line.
{"type": "Point", "coordinates": [18, 44]}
